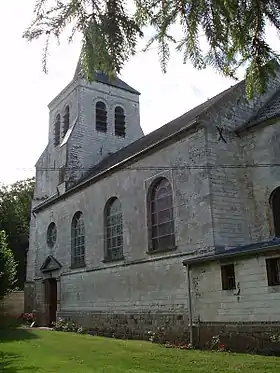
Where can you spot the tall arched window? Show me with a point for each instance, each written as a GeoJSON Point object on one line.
{"type": "Point", "coordinates": [66, 120]}
{"type": "Point", "coordinates": [57, 130]}
{"type": "Point", "coordinates": [119, 122]}
{"type": "Point", "coordinates": [78, 240]}
{"type": "Point", "coordinates": [101, 117]}
{"type": "Point", "coordinates": [161, 218]}
{"type": "Point", "coordinates": [113, 230]}
{"type": "Point", "coordinates": [51, 234]}
{"type": "Point", "coordinates": [275, 205]}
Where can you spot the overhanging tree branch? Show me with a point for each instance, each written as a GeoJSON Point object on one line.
{"type": "Point", "coordinates": [234, 30]}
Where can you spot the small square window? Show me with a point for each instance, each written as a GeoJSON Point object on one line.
{"type": "Point", "coordinates": [273, 271]}
{"type": "Point", "coordinates": [228, 277]}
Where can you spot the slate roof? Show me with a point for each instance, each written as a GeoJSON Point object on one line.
{"type": "Point", "coordinates": [144, 143]}
{"type": "Point", "coordinates": [103, 78]}
{"type": "Point", "coordinates": [169, 129]}
{"type": "Point", "coordinates": [270, 110]}
{"type": "Point", "coordinates": [141, 145]}
{"type": "Point", "coordinates": [251, 249]}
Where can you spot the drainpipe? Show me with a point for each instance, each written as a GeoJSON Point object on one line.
{"type": "Point", "coordinates": [190, 305]}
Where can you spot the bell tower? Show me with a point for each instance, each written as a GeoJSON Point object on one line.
{"type": "Point", "coordinates": [87, 122]}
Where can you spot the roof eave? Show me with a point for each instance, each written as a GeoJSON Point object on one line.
{"type": "Point", "coordinates": [226, 255]}
{"type": "Point", "coordinates": [102, 174]}
{"type": "Point", "coordinates": [60, 94]}
{"type": "Point", "coordinates": [249, 127]}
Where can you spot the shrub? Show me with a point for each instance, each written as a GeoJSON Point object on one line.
{"type": "Point", "coordinates": [63, 325]}
{"type": "Point", "coordinates": [8, 267]}
{"type": "Point", "coordinates": [157, 336]}
{"type": "Point", "coordinates": [215, 344]}
{"type": "Point", "coordinates": [28, 318]}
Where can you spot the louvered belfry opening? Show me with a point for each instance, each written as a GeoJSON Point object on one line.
{"type": "Point", "coordinates": [101, 117]}
{"type": "Point", "coordinates": [66, 120]}
{"type": "Point", "coordinates": [119, 122]}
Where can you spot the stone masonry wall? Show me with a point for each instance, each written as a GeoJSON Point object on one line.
{"type": "Point", "coordinates": [86, 146]}
{"type": "Point", "coordinates": [261, 147]}
{"type": "Point", "coordinates": [193, 226]}
{"type": "Point", "coordinates": [13, 304]}
{"type": "Point", "coordinates": [246, 318]}
{"type": "Point", "coordinates": [134, 325]}
{"type": "Point", "coordinates": [240, 337]}
{"type": "Point", "coordinates": [252, 300]}
{"type": "Point", "coordinates": [230, 174]}
{"type": "Point", "coordinates": [142, 281]}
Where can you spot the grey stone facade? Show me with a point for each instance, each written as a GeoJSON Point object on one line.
{"type": "Point", "coordinates": [211, 156]}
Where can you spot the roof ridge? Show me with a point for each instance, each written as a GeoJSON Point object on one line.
{"type": "Point", "coordinates": [101, 77]}
{"type": "Point", "coordinates": [261, 115]}
{"type": "Point", "coordinates": [158, 134]}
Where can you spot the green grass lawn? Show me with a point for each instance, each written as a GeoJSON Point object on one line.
{"type": "Point", "coordinates": [42, 351]}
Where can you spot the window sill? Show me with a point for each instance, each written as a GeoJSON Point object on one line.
{"type": "Point", "coordinates": [158, 251]}
{"type": "Point", "coordinates": [75, 266]}
{"type": "Point", "coordinates": [107, 260]}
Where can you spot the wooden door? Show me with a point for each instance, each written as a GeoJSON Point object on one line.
{"type": "Point", "coordinates": [51, 299]}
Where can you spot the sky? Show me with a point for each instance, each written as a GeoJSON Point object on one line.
{"type": "Point", "coordinates": [26, 90]}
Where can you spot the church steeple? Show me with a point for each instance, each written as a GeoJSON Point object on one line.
{"type": "Point", "coordinates": [88, 122]}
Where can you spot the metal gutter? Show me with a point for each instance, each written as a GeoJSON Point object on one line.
{"type": "Point", "coordinates": [190, 306]}
{"type": "Point", "coordinates": [230, 254]}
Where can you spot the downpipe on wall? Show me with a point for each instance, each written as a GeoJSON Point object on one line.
{"type": "Point", "coordinates": [190, 304]}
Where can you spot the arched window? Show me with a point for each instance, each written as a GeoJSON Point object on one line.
{"type": "Point", "coordinates": [66, 120]}
{"type": "Point", "coordinates": [78, 240]}
{"type": "Point", "coordinates": [113, 230]}
{"type": "Point", "coordinates": [161, 218]}
{"type": "Point", "coordinates": [101, 117]}
{"type": "Point", "coordinates": [57, 130]}
{"type": "Point", "coordinates": [51, 234]}
{"type": "Point", "coordinates": [119, 122]}
{"type": "Point", "coordinates": [275, 205]}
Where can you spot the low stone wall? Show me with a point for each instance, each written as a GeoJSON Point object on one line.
{"type": "Point", "coordinates": [241, 337]}
{"type": "Point", "coordinates": [174, 327]}
{"type": "Point", "coordinates": [13, 304]}
{"type": "Point", "coordinates": [237, 337]}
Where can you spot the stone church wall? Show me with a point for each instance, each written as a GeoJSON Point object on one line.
{"type": "Point", "coordinates": [220, 199]}
{"type": "Point", "coordinates": [89, 289]}
{"type": "Point", "coordinates": [254, 302]}
{"type": "Point", "coordinates": [239, 191]}
{"type": "Point", "coordinates": [129, 299]}
{"type": "Point", "coordinates": [262, 146]}
{"type": "Point", "coordinates": [246, 317]}
{"type": "Point", "coordinates": [241, 187]}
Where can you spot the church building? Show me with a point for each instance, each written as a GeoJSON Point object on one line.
{"type": "Point", "coordinates": [177, 229]}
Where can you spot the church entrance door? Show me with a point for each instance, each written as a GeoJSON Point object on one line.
{"type": "Point", "coordinates": [51, 299]}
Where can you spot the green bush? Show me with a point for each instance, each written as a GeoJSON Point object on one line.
{"type": "Point", "coordinates": [8, 267]}
{"type": "Point", "coordinates": [63, 325]}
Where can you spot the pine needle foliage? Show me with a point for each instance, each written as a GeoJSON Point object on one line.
{"type": "Point", "coordinates": [234, 30]}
